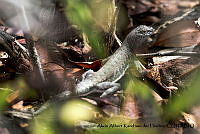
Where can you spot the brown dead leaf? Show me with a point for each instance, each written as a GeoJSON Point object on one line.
{"type": "Point", "coordinates": [172, 75]}
{"type": "Point", "coordinates": [157, 96]}
{"type": "Point", "coordinates": [19, 106]}
{"type": "Point", "coordinates": [24, 125]}
{"type": "Point", "coordinates": [130, 108]}
{"type": "Point", "coordinates": [179, 34]}
{"type": "Point", "coordinates": [90, 101]}
{"type": "Point", "coordinates": [1, 22]}
{"type": "Point", "coordinates": [13, 96]}
{"type": "Point", "coordinates": [3, 55]}
{"type": "Point", "coordinates": [154, 74]}
{"type": "Point", "coordinates": [73, 71]}
{"type": "Point", "coordinates": [22, 41]}
{"type": "Point", "coordinates": [169, 7]}
{"type": "Point", "coordinates": [90, 65]}
{"type": "Point", "coordinates": [178, 70]}
{"type": "Point", "coordinates": [195, 111]}
{"type": "Point", "coordinates": [190, 119]}
{"type": "Point", "coordinates": [187, 4]}
{"type": "Point", "coordinates": [157, 86]}
{"type": "Point", "coordinates": [1, 63]}
{"type": "Point", "coordinates": [4, 131]}
{"type": "Point", "coordinates": [141, 11]}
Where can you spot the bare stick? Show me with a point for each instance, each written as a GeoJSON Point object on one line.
{"type": "Point", "coordinates": [34, 56]}
{"type": "Point", "coordinates": [158, 54]}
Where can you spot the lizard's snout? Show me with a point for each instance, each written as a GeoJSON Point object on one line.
{"type": "Point", "coordinates": [149, 31]}
{"type": "Point", "coordinates": [144, 30]}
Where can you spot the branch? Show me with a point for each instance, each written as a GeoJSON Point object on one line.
{"type": "Point", "coordinates": [158, 54]}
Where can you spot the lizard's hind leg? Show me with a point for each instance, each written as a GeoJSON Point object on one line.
{"type": "Point", "coordinates": [110, 87]}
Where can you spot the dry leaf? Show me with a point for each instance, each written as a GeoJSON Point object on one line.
{"type": "Point", "coordinates": [130, 108]}
{"type": "Point", "coordinates": [24, 125]}
{"type": "Point", "coordinates": [190, 119]}
{"type": "Point", "coordinates": [157, 97]}
{"type": "Point", "coordinates": [13, 96]}
{"type": "Point", "coordinates": [179, 34]}
{"type": "Point", "coordinates": [90, 65]}
{"type": "Point", "coordinates": [19, 106]}
{"type": "Point", "coordinates": [3, 55]}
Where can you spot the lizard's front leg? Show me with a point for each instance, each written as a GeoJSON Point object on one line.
{"type": "Point", "coordinates": [87, 74]}
{"type": "Point", "coordinates": [110, 86]}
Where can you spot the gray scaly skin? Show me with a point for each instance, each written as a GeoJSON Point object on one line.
{"type": "Point", "coordinates": [105, 79]}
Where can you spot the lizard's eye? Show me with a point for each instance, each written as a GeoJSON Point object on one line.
{"type": "Point", "coordinates": [143, 32]}
{"type": "Point", "coordinates": [147, 32]}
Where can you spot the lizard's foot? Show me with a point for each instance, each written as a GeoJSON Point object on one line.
{"type": "Point", "coordinates": [110, 86]}
{"type": "Point", "coordinates": [87, 74]}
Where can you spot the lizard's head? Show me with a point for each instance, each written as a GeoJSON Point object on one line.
{"type": "Point", "coordinates": [144, 31]}
{"type": "Point", "coordinates": [138, 35]}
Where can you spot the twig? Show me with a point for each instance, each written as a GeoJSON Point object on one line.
{"type": "Point", "coordinates": [20, 114]}
{"type": "Point", "coordinates": [117, 6]}
{"type": "Point", "coordinates": [58, 98]}
{"type": "Point", "coordinates": [86, 125]}
{"type": "Point", "coordinates": [158, 54]}
{"type": "Point", "coordinates": [22, 47]}
{"type": "Point", "coordinates": [34, 56]}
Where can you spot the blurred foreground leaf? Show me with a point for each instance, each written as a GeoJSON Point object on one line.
{"type": "Point", "coordinates": [44, 123]}
{"type": "Point", "coordinates": [122, 131]}
{"type": "Point", "coordinates": [134, 85]}
{"type": "Point", "coordinates": [4, 92]}
{"type": "Point", "coordinates": [10, 90]}
{"type": "Point", "coordinates": [80, 13]}
{"type": "Point", "coordinates": [76, 110]}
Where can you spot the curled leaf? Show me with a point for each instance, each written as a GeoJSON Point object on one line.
{"type": "Point", "coordinates": [179, 34]}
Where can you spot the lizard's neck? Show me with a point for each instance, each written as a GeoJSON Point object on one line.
{"type": "Point", "coordinates": [130, 45]}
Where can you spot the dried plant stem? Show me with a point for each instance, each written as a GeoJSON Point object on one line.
{"type": "Point", "coordinates": [150, 55]}
{"type": "Point", "coordinates": [34, 56]}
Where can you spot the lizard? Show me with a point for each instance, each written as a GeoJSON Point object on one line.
{"type": "Point", "coordinates": [112, 71]}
